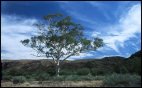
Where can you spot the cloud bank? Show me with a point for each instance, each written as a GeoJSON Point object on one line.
{"type": "Point", "coordinates": [120, 36]}
{"type": "Point", "coordinates": [128, 27]}
{"type": "Point", "coordinates": [13, 30]}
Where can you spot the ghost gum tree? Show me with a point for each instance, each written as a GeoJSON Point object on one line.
{"type": "Point", "coordinates": [60, 39]}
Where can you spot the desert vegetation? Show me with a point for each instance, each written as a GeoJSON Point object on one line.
{"type": "Point", "coordinates": [106, 72]}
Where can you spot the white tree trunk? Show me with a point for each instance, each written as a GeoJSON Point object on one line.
{"type": "Point", "coordinates": [57, 68]}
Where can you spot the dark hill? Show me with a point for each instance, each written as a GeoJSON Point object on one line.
{"type": "Point", "coordinates": [105, 65]}
{"type": "Point", "coordinates": [137, 54]}
{"type": "Point", "coordinates": [133, 63]}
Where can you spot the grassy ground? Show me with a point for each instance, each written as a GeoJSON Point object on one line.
{"type": "Point", "coordinates": [55, 84]}
{"type": "Point", "coordinates": [112, 80]}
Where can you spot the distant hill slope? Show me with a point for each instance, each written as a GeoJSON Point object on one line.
{"type": "Point", "coordinates": [137, 54]}
{"type": "Point", "coordinates": [104, 65]}
{"type": "Point", "coordinates": [133, 63]}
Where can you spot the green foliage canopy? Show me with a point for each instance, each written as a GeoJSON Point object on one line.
{"type": "Point", "coordinates": [61, 38]}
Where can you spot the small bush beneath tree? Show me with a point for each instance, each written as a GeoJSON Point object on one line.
{"type": "Point", "coordinates": [18, 79]}
{"type": "Point", "coordinates": [6, 77]}
{"type": "Point", "coordinates": [83, 71]}
{"type": "Point", "coordinates": [66, 72]}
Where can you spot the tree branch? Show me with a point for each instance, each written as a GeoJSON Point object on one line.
{"type": "Point", "coordinates": [67, 57]}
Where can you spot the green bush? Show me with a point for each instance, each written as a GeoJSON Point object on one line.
{"type": "Point", "coordinates": [123, 80]}
{"type": "Point", "coordinates": [72, 78]}
{"type": "Point", "coordinates": [123, 70]}
{"type": "Point", "coordinates": [15, 72]}
{"type": "Point", "coordinates": [60, 78]}
{"type": "Point", "coordinates": [6, 77]}
{"type": "Point", "coordinates": [98, 77]}
{"type": "Point", "coordinates": [98, 71]}
{"type": "Point", "coordinates": [42, 76]}
{"type": "Point", "coordinates": [51, 71]}
{"type": "Point", "coordinates": [134, 65]}
{"type": "Point", "coordinates": [79, 78]}
{"type": "Point", "coordinates": [93, 72]}
{"type": "Point", "coordinates": [86, 78]}
{"type": "Point", "coordinates": [83, 71]}
{"type": "Point", "coordinates": [90, 64]}
{"type": "Point", "coordinates": [27, 76]}
{"type": "Point", "coordinates": [83, 78]}
{"type": "Point", "coordinates": [18, 79]}
{"type": "Point", "coordinates": [66, 72]}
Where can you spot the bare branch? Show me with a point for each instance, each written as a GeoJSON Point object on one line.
{"type": "Point", "coordinates": [67, 57]}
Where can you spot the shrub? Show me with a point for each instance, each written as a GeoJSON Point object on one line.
{"type": "Point", "coordinates": [6, 77]}
{"type": "Point", "coordinates": [90, 77]}
{"type": "Point", "coordinates": [51, 71]}
{"type": "Point", "coordinates": [75, 78]}
{"type": "Point", "coordinates": [42, 76]}
{"type": "Point", "coordinates": [28, 76]}
{"type": "Point", "coordinates": [97, 71]}
{"type": "Point", "coordinates": [93, 72]}
{"type": "Point", "coordinates": [66, 72]}
{"type": "Point", "coordinates": [72, 78]}
{"type": "Point", "coordinates": [83, 71]}
{"type": "Point", "coordinates": [90, 64]}
{"type": "Point", "coordinates": [123, 69]}
{"type": "Point", "coordinates": [31, 79]}
{"type": "Point", "coordinates": [18, 79]}
{"type": "Point", "coordinates": [79, 78]}
{"type": "Point", "coordinates": [86, 78]}
{"type": "Point", "coordinates": [16, 72]}
{"type": "Point", "coordinates": [122, 80]}
{"type": "Point", "coordinates": [60, 78]}
{"type": "Point", "coordinates": [33, 76]}
{"type": "Point", "coordinates": [98, 77]}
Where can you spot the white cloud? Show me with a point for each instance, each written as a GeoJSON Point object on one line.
{"type": "Point", "coordinates": [11, 29]}
{"type": "Point", "coordinates": [128, 26]}
{"type": "Point", "coordinates": [81, 56]}
{"type": "Point", "coordinates": [95, 34]}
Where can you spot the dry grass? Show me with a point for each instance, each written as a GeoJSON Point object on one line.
{"type": "Point", "coordinates": [55, 84]}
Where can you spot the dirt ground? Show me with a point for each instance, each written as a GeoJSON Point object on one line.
{"type": "Point", "coordinates": [55, 84]}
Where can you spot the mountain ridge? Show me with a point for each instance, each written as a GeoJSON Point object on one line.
{"type": "Point", "coordinates": [106, 65]}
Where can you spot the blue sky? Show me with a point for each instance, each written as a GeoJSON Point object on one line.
{"type": "Point", "coordinates": [118, 23]}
